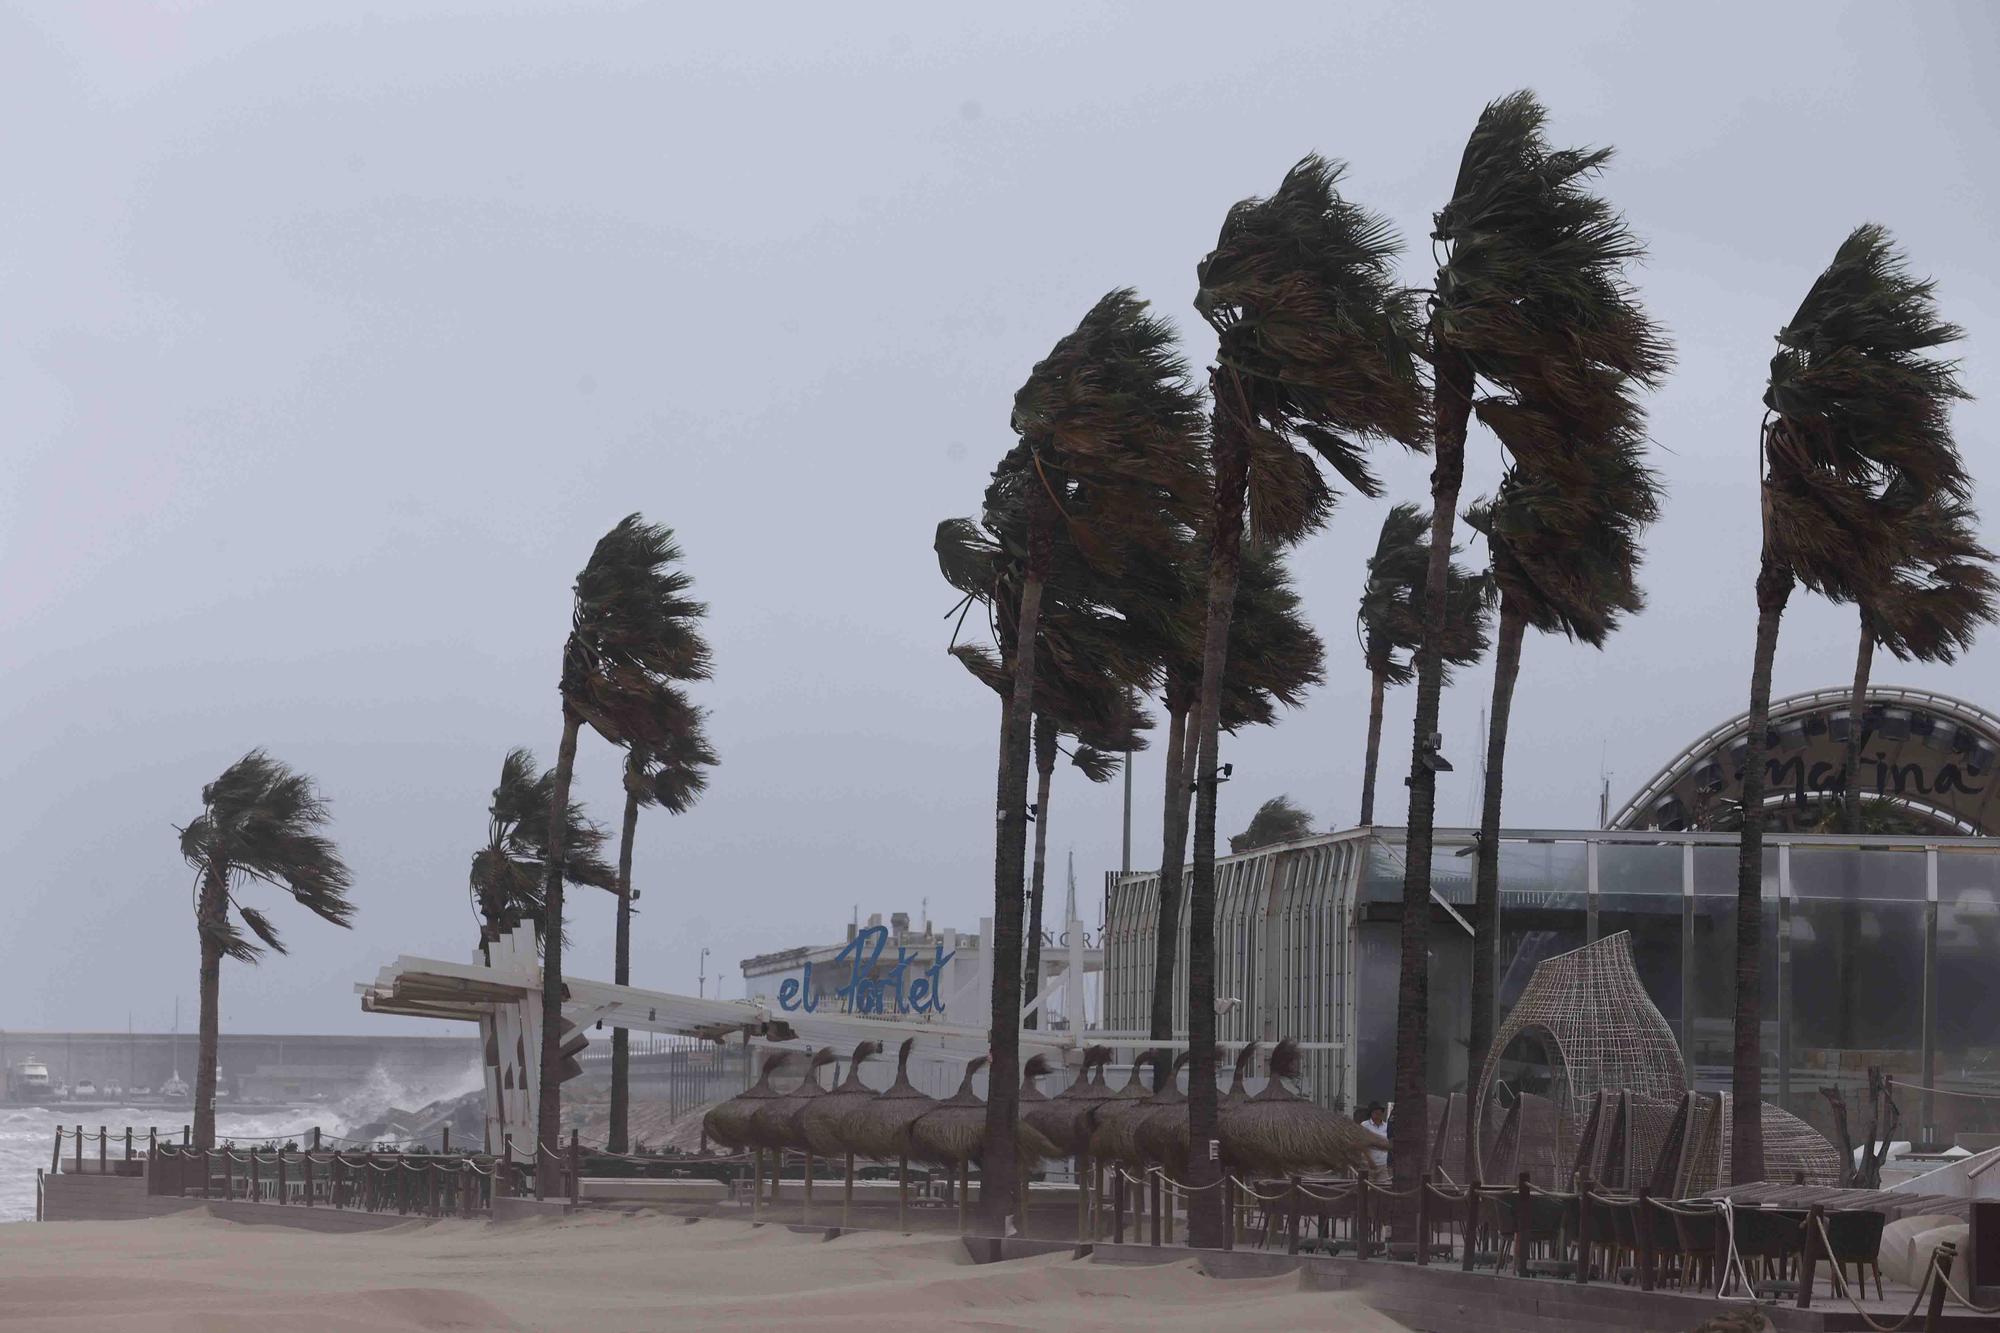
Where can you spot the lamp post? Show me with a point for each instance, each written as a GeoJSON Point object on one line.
{"type": "Point", "coordinates": [701, 981]}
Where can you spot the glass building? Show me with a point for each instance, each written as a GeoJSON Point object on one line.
{"type": "Point", "coordinates": [1876, 947]}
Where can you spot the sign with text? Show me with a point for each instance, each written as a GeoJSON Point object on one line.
{"type": "Point", "coordinates": [907, 986]}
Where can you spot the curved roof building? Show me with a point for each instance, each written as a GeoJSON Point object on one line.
{"type": "Point", "coordinates": [1928, 765]}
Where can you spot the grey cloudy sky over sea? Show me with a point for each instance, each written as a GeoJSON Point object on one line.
{"type": "Point", "coordinates": [332, 337]}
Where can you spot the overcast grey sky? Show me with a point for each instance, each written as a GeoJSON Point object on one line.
{"type": "Point", "coordinates": [330, 342]}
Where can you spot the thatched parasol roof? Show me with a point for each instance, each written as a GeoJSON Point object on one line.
{"type": "Point", "coordinates": [874, 1127]}
{"type": "Point", "coordinates": [1162, 1131]}
{"type": "Point", "coordinates": [1115, 1121]}
{"type": "Point", "coordinates": [729, 1123]}
{"type": "Point", "coordinates": [771, 1123]}
{"type": "Point", "coordinates": [1064, 1118]}
{"type": "Point", "coordinates": [820, 1120]}
{"type": "Point", "coordinates": [1280, 1133]}
{"type": "Point", "coordinates": [954, 1131]}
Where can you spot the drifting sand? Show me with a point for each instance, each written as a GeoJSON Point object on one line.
{"type": "Point", "coordinates": [194, 1273]}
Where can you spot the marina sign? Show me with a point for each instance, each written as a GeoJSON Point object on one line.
{"type": "Point", "coordinates": [896, 990]}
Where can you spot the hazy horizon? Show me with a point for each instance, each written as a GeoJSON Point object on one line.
{"type": "Point", "coordinates": [332, 337]}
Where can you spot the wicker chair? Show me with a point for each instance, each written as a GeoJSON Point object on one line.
{"type": "Point", "coordinates": [1856, 1237]}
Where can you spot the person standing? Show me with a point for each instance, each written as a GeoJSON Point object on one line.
{"type": "Point", "coordinates": [1377, 1124]}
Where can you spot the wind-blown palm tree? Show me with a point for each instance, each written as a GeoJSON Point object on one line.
{"type": "Point", "coordinates": [666, 767]}
{"type": "Point", "coordinates": [1929, 610]}
{"type": "Point", "coordinates": [1274, 657]}
{"type": "Point", "coordinates": [508, 872]}
{"type": "Point", "coordinates": [1108, 425]}
{"type": "Point", "coordinates": [1279, 819]}
{"type": "Point", "coordinates": [1857, 413]}
{"type": "Point", "coordinates": [1531, 300]}
{"type": "Point", "coordinates": [1565, 545]}
{"type": "Point", "coordinates": [1390, 623]}
{"type": "Point", "coordinates": [260, 822]}
{"type": "Point", "coordinates": [631, 637]}
{"type": "Point", "coordinates": [1316, 355]}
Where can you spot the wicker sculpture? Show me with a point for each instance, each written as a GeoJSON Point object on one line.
{"type": "Point", "coordinates": [1601, 1031]}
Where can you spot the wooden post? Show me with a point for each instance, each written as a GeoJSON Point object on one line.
{"type": "Point", "coordinates": [1292, 1207]}
{"type": "Point", "coordinates": [847, 1195]}
{"type": "Point", "coordinates": [1360, 1214]}
{"type": "Point", "coordinates": [503, 1184]}
{"type": "Point", "coordinates": [1081, 1165]}
{"type": "Point", "coordinates": [128, 1143]}
{"type": "Point", "coordinates": [1809, 1257]}
{"type": "Point", "coordinates": [903, 1191]}
{"type": "Point", "coordinates": [1021, 1200]}
{"type": "Point", "coordinates": [757, 1185]}
{"type": "Point", "coordinates": [445, 1148]}
{"type": "Point", "coordinates": [964, 1187]}
{"type": "Point", "coordinates": [281, 1174]}
{"type": "Point", "coordinates": [575, 1168]}
{"type": "Point", "coordinates": [1424, 1219]}
{"type": "Point", "coordinates": [256, 1185]}
{"type": "Point", "coordinates": [1642, 1228]}
{"type": "Point", "coordinates": [152, 1142]}
{"type": "Point", "coordinates": [1153, 1199]}
{"type": "Point", "coordinates": [1471, 1224]}
{"type": "Point", "coordinates": [207, 1172]}
{"type": "Point", "coordinates": [1229, 1211]}
{"type": "Point", "coordinates": [187, 1135]}
{"type": "Point", "coordinates": [337, 1190]}
{"type": "Point", "coordinates": [430, 1187]}
{"type": "Point", "coordinates": [541, 1176]}
{"type": "Point", "coordinates": [228, 1176]}
{"type": "Point", "coordinates": [55, 1158]}
{"type": "Point", "coordinates": [1522, 1201]}
{"type": "Point", "coordinates": [806, 1209]}
{"type": "Point", "coordinates": [79, 1150]}
{"type": "Point", "coordinates": [103, 1150]}
{"type": "Point", "coordinates": [1583, 1229]}
{"type": "Point", "coordinates": [1118, 1205]}
{"type": "Point", "coordinates": [306, 1176]}
{"type": "Point", "coordinates": [1945, 1254]}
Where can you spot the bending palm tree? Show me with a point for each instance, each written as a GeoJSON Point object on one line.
{"type": "Point", "coordinates": [1317, 352]}
{"type": "Point", "coordinates": [1390, 622]}
{"type": "Point", "coordinates": [259, 822]}
{"type": "Point", "coordinates": [1531, 299]}
{"type": "Point", "coordinates": [630, 639]}
{"type": "Point", "coordinates": [1279, 819]}
{"type": "Point", "coordinates": [508, 872]}
{"type": "Point", "coordinates": [669, 769]}
{"type": "Point", "coordinates": [1928, 611]}
{"type": "Point", "coordinates": [1565, 545]}
{"type": "Point", "coordinates": [1857, 413]}
{"type": "Point", "coordinates": [1108, 425]}
{"type": "Point", "coordinates": [1274, 657]}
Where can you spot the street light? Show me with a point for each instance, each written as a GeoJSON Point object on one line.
{"type": "Point", "coordinates": [701, 982]}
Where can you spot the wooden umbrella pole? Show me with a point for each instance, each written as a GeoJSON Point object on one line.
{"type": "Point", "coordinates": [1021, 1203]}
{"type": "Point", "coordinates": [963, 1175]}
{"type": "Point", "coordinates": [903, 1192]}
{"type": "Point", "coordinates": [806, 1215]}
{"type": "Point", "coordinates": [1167, 1197]}
{"type": "Point", "coordinates": [847, 1195]}
{"type": "Point", "coordinates": [1082, 1198]}
{"type": "Point", "coordinates": [757, 1184]}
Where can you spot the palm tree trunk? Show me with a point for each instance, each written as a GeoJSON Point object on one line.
{"type": "Point", "coordinates": [1746, 1160]}
{"type": "Point", "coordinates": [1231, 451]}
{"type": "Point", "coordinates": [1181, 753]}
{"type": "Point", "coordinates": [1452, 408]}
{"type": "Point", "coordinates": [1486, 898]}
{"type": "Point", "coordinates": [1045, 769]}
{"type": "Point", "coordinates": [1003, 1098]}
{"type": "Point", "coordinates": [1378, 687]}
{"type": "Point", "coordinates": [621, 973]}
{"type": "Point", "coordinates": [210, 923]}
{"type": "Point", "coordinates": [548, 1119]}
{"type": "Point", "coordinates": [1850, 763]}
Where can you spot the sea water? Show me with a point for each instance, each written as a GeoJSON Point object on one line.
{"type": "Point", "coordinates": [28, 1133]}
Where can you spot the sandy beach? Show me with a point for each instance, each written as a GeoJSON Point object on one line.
{"type": "Point", "coordinates": [194, 1273]}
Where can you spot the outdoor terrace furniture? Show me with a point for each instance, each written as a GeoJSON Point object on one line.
{"type": "Point", "coordinates": [1695, 1234]}
{"type": "Point", "coordinates": [1768, 1240]}
{"type": "Point", "coordinates": [1856, 1239]}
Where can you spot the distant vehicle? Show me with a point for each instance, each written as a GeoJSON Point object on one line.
{"type": "Point", "coordinates": [85, 1089]}
{"type": "Point", "coordinates": [173, 1089]}
{"type": "Point", "coordinates": [142, 1092]}
{"type": "Point", "coordinates": [113, 1090]}
{"type": "Point", "coordinates": [62, 1092]}
{"type": "Point", "coordinates": [28, 1081]}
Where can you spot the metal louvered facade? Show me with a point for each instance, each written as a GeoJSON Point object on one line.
{"type": "Point", "coordinates": [1284, 934]}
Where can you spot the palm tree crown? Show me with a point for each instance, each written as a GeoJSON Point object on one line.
{"type": "Point", "coordinates": [261, 821]}
{"type": "Point", "coordinates": [508, 872]}
{"type": "Point", "coordinates": [1390, 619]}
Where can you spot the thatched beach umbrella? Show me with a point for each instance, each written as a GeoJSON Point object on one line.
{"type": "Point", "coordinates": [1097, 1135]}
{"type": "Point", "coordinates": [772, 1127]}
{"type": "Point", "coordinates": [953, 1134]}
{"type": "Point", "coordinates": [1161, 1130]}
{"type": "Point", "coordinates": [875, 1128]}
{"type": "Point", "coordinates": [820, 1121]}
{"type": "Point", "coordinates": [1280, 1133]}
{"type": "Point", "coordinates": [728, 1123]}
{"type": "Point", "coordinates": [1063, 1118]}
